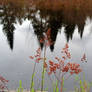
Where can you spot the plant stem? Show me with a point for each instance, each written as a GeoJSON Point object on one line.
{"type": "Point", "coordinates": [61, 89]}
{"type": "Point", "coordinates": [32, 77]}
{"type": "Point", "coordinates": [57, 77]}
{"type": "Point", "coordinates": [43, 71]}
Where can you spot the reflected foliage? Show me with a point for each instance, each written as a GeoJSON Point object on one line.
{"type": "Point", "coordinates": [8, 17]}
{"type": "Point", "coordinates": [8, 26]}
{"type": "Point", "coordinates": [42, 19]}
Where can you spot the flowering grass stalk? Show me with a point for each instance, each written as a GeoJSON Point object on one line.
{"type": "Point", "coordinates": [32, 80]}
{"type": "Point", "coordinates": [63, 67]}
{"type": "Point", "coordinates": [43, 72]}
{"type": "Point", "coordinates": [47, 42]}
{"type": "Point", "coordinates": [71, 68]}
{"type": "Point", "coordinates": [59, 69]}
{"type": "Point", "coordinates": [36, 58]}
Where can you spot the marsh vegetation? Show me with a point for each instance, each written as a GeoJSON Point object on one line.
{"type": "Point", "coordinates": [49, 20]}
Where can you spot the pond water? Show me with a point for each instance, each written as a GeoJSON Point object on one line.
{"type": "Point", "coordinates": [20, 33]}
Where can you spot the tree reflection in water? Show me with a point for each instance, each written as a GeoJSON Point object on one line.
{"type": "Point", "coordinates": [10, 13]}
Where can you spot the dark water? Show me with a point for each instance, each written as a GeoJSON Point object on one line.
{"type": "Point", "coordinates": [20, 32]}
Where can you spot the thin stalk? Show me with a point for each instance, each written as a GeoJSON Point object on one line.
{"type": "Point", "coordinates": [57, 78]}
{"type": "Point", "coordinates": [43, 71]}
{"type": "Point", "coordinates": [32, 77]}
{"type": "Point", "coordinates": [61, 84]}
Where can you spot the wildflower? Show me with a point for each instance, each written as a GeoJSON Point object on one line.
{"type": "Point", "coordinates": [57, 65]}
{"type": "Point", "coordinates": [45, 65]}
{"type": "Point", "coordinates": [48, 33]}
{"type": "Point", "coordinates": [38, 59]}
{"type": "Point", "coordinates": [31, 57]}
{"type": "Point", "coordinates": [66, 46]}
{"type": "Point", "coordinates": [74, 68]}
{"type": "Point", "coordinates": [71, 73]}
{"type": "Point", "coordinates": [3, 82]}
{"type": "Point", "coordinates": [65, 68]}
{"type": "Point", "coordinates": [47, 38]}
{"type": "Point", "coordinates": [51, 63]}
{"type": "Point", "coordinates": [83, 59]}
{"type": "Point", "coordinates": [66, 52]}
{"type": "Point", "coordinates": [53, 67]}
{"type": "Point", "coordinates": [57, 58]}
{"type": "Point", "coordinates": [49, 73]}
{"type": "Point", "coordinates": [77, 71]}
{"type": "Point", "coordinates": [64, 57]}
{"type": "Point", "coordinates": [37, 56]}
{"type": "Point", "coordinates": [41, 40]}
{"type": "Point", "coordinates": [2, 79]}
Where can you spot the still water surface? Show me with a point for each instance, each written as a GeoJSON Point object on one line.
{"type": "Point", "coordinates": [17, 46]}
